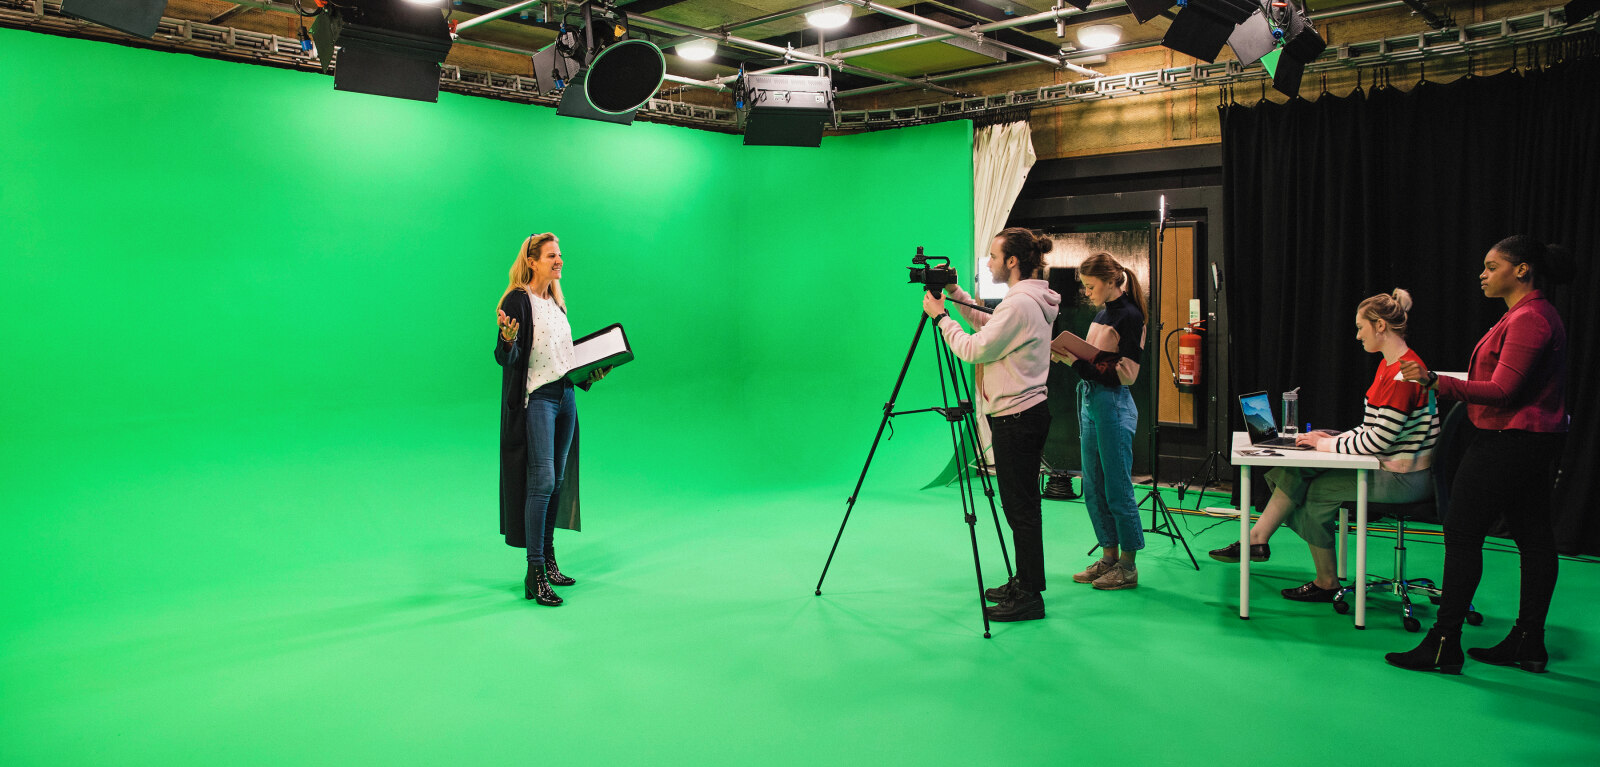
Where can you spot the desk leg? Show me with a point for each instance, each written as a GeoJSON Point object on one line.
{"type": "Point", "coordinates": [1244, 542]}
{"type": "Point", "coordinates": [1361, 548]}
{"type": "Point", "coordinates": [1343, 555]}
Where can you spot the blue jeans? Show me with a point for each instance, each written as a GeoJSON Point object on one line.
{"type": "Point", "coordinates": [552, 419]}
{"type": "Point", "coordinates": [1106, 420]}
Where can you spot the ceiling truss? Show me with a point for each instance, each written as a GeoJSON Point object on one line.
{"type": "Point", "coordinates": [227, 42]}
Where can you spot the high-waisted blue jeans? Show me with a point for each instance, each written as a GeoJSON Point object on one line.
{"type": "Point", "coordinates": [552, 420]}
{"type": "Point", "coordinates": [1106, 420]}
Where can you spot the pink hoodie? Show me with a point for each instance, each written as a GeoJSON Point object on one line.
{"type": "Point", "coordinates": [1010, 347]}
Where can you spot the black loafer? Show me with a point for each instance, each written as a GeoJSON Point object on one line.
{"type": "Point", "coordinates": [1310, 592]}
{"type": "Point", "coordinates": [1259, 552]}
{"type": "Point", "coordinates": [1002, 592]}
{"type": "Point", "coordinates": [1020, 606]}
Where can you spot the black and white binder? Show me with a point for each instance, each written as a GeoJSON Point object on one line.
{"type": "Point", "coordinates": [607, 347]}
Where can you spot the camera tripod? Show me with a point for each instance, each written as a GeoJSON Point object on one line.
{"type": "Point", "coordinates": [963, 441]}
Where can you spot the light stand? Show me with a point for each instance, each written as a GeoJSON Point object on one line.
{"type": "Point", "coordinates": [1161, 521]}
{"type": "Point", "coordinates": [963, 442]}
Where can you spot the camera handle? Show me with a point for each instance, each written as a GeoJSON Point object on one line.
{"type": "Point", "coordinates": [939, 291]}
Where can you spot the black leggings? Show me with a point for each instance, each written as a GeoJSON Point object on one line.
{"type": "Point", "coordinates": [1501, 473]}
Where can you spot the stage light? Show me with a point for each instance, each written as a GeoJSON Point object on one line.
{"type": "Point", "coordinates": [1145, 10]}
{"type": "Point", "coordinates": [136, 17]}
{"type": "Point", "coordinates": [383, 47]}
{"type": "Point", "coordinates": [1252, 39]}
{"type": "Point", "coordinates": [829, 18]}
{"type": "Point", "coordinates": [1099, 36]}
{"type": "Point", "coordinates": [1204, 26]}
{"type": "Point", "coordinates": [1300, 46]}
{"type": "Point", "coordinates": [602, 75]}
{"type": "Point", "coordinates": [785, 110]}
{"type": "Point", "coordinates": [696, 50]}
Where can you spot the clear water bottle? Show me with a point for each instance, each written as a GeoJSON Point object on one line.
{"type": "Point", "coordinates": [1291, 413]}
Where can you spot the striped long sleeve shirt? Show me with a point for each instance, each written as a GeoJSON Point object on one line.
{"type": "Point", "coordinates": [1401, 423]}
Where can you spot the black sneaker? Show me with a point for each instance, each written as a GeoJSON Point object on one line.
{"type": "Point", "coordinates": [1002, 592]}
{"type": "Point", "coordinates": [1259, 552]}
{"type": "Point", "coordinates": [1022, 606]}
{"type": "Point", "coordinates": [1310, 592]}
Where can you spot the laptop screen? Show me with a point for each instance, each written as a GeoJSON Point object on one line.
{"type": "Point", "coordinates": [1258, 420]}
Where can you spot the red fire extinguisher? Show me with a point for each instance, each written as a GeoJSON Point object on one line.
{"type": "Point", "coordinates": [1189, 356]}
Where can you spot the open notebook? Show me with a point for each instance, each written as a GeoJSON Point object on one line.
{"type": "Point", "coordinates": [607, 347]}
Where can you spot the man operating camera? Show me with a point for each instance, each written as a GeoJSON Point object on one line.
{"type": "Point", "coordinates": [1011, 349]}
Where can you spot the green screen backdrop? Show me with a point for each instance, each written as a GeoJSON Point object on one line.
{"type": "Point", "coordinates": [196, 241]}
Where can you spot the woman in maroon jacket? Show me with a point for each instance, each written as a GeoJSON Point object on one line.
{"type": "Point", "coordinates": [1515, 395]}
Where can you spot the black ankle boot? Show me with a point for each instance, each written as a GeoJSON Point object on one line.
{"type": "Point", "coordinates": [553, 572]}
{"type": "Point", "coordinates": [1437, 652]}
{"type": "Point", "coordinates": [1520, 648]}
{"type": "Point", "coordinates": [537, 588]}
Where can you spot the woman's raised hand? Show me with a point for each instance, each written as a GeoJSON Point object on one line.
{"type": "Point", "coordinates": [508, 326]}
{"type": "Point", "coordinates": [1413, 372]}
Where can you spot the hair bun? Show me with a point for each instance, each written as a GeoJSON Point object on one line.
{"type": "Point", "coordinates": [1403, 298]}
{"type": "Point", "coordinates": [1043, 243]}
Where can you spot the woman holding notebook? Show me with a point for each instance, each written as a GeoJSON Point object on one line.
{"type": "Point", "coordinates": [1107, 416]}
{"type": "Point", "coordinates": [1400, 427]}
{"type": "Point", "coordinates": [538, 413]}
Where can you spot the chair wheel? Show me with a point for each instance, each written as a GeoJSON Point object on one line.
{"type": "Point", "coordinates": [1412, 624]}
{"type": "Point", "coordinates": [1342, 608]}
{"type": "Point", "coordinates": [1475, 618]}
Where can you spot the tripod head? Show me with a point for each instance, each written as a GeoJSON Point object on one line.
{"type": "Point", "coordinates": [933, 278]}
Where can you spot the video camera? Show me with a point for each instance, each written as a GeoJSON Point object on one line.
{"type": "Point", "coordinates": [934, 278]}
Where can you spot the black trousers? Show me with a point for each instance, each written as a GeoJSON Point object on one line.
{"type": "Point", "coordinates": [1018, 446]}
{"type": "Point", "coordinates": [1510, 473]}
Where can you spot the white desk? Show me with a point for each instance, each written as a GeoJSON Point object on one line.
{"type": "Point", "coordinates": [1309, 459]}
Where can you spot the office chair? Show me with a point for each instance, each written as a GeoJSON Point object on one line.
{"type": "Point", "coordinates": [1445, 457]}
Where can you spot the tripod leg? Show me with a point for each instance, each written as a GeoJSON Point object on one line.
{"type": "Point", "coordinates": [969, 506]}
{"type": "Point", "coordinates": [888, 411]}
{"type": "Point", "coordinates": [1172, 524]}
{"type": "Point", "coordinates": [1164, 524]}
{"type": "Point", "coordinates": [970, 424]}
{"type": "Point", "coordinates": [969, 501]}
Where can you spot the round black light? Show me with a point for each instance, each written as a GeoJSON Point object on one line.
{"type": "Point", "coordinates": [624, 76]}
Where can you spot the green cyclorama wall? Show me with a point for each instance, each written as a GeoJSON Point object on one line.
{"type": "Point", "coordinates": [201, 245]}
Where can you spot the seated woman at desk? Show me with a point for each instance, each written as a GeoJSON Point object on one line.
{"type": "Point", "coordinates": [1400, 428]}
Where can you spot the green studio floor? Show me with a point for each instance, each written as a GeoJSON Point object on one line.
{"type": "Point", "coordinates": [282, 591]}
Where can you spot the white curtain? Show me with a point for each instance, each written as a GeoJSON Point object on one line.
{"type": "Point", "coordinates": [1001, 158]}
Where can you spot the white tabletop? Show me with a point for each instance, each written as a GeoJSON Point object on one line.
{"type": "Point", "coordinates": [1310, 459]}
{"type": "Point", "coordinates": [1245, 456]}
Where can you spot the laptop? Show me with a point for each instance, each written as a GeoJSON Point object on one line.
{"type": "Point", "coordinates": [1261, 426]}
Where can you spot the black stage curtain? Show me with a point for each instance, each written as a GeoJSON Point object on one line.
{"type": "Point", "coordinates": [1331, 201]}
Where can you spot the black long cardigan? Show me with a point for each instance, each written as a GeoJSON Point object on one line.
{"type": "Point", "coordinates": [514, 430]}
